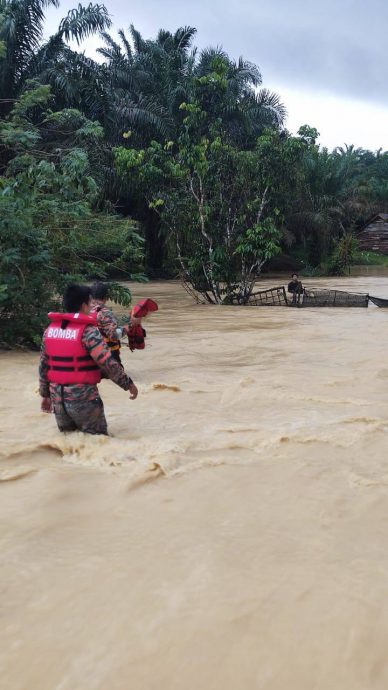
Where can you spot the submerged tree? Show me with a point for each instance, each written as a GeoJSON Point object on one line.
{"type": "Point", "coordinates": [220, 103]}
{"type": "Point", "coordinates": [218, 202]}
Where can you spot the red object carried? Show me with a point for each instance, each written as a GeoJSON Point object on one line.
{"type": "Point", "coordinates": [143, 308]}
{"type": "Point", "coordinates": [137, 334]}
{"type": "Point", "coordinates": [69, 361]}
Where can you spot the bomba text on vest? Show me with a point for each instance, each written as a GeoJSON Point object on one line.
{"type": "Point", "coordinates": [68, 334]}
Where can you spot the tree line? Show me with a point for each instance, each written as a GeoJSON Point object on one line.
{"type": "Point", "coordinates": [156, 160]}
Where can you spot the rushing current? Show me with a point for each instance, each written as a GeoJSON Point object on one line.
{"type": "Point", "coordinates": [231, 534]}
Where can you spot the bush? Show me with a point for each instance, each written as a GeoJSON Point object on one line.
{"type": "Point", "coordinates": [49, 227]}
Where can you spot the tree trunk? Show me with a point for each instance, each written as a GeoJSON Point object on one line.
{"type": "Point", "coordinates": [155, 244]}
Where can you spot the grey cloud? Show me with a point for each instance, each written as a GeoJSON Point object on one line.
{"type": "Point", "coordinates": [338, 46]}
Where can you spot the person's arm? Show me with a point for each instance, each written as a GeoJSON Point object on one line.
{"type": "Point", "coordinates": [100, 352]}
{"type": "Point", "coordinates": [108, 324]}
{"type": "Point", "coordinates": [126, 327]}
{"type": "Point", "coordinates": [44, 387]}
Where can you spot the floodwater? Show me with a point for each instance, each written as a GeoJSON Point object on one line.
{"type": "Point", "coordinates": [231, 534]}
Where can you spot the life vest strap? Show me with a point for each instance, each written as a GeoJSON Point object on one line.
{"type": "Point", "coordinates": [91, 367]}
{"type": "Point", "coordinates": [84, 358]}
{"type": "Point", "coordinates": [112, 344]}
{"type": "Point", "coordinates": [61, 359]}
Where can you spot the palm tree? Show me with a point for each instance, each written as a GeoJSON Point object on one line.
{"type": "Point", "coordinates": [147, 82]}
{"type": "Point", "coordinates": [244, 108]}
{"type": "Point", "coordinates": [318, 213]}
{"type": "Point", "coordinates": [26, 54]}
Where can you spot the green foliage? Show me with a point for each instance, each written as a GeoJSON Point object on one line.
{"type": "Point", "coordinates": [308, 134]}
{"type": "Point", "coordinates": [24, 53]}
{"type": "Point", "coordinates": [343, 256]}
{"type": "Point", "coordinates": [28, 281]}
{"type": "Point", "coordinates": [370, 259]}
{"type": "Point", "coordinates": [187, 143]}
{"type": "Point", "coordinates": [262, 240]}
{"type": "Point", "coordinates": [50, 230]}
{"type": "Point", "coordinates": [217, 203]}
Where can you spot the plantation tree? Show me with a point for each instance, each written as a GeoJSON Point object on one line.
{"type": "Point", "coordinates": [228, 188]}
{"type": "Point", "coordinates": [343, 255]}
{"type": "Point", "coordinates": [229, 93]}
{"type": "Point", "coordinates": [218, 202]}
{"type": "Point", "coordinates": [27, 55]}
{"type": "Point", "coordinates": [150, 79]}
{"type": "Point", "coordinates": [51, 231]}
{"type": "Point", "coordinates": [335, 194]}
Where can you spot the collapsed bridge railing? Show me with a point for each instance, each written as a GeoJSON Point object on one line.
{"type": "Point", "coordinates": [379, 302]}
{"type": "Point", "coordinates": [310, 297]}
{"type": "Point", "coordinates": [323, 297]}
{"type": "Point", "coordinates": [274, 297]}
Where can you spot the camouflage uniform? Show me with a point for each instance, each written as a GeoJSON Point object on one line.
{"type": "Point", "coordinates": [108, 327]}
{"type": "Point", "coordinates": [79, 406]}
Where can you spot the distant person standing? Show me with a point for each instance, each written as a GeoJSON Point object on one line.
{"type": "Point", "coordinates": [295, 287]}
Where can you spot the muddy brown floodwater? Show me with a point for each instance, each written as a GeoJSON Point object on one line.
{"type": "Point", "coordinates": [231, 534]}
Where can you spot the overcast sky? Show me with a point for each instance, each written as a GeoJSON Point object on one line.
{"type": "Point", "coordinates": [326, 58]}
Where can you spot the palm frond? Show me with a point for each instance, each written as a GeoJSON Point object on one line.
{"type": "Point", "coordinates": [143, 113]}
{"type": "Point", "coordinates": [21, 30]}
{"type": "Point", "coordinates": [84, 21]}
{"type": "Point", "coordinates": [53, 49]}
{"type": "Point", "coordinates": [246, 72]}
{"type": "Point", "coordinates": [183, 37]}
{"type": "Point", "coordinates": [110, 43]}
{"type": "Point", "coordinates": [163, 37]}
{"type": "Point", "coordinates": [271, 102]}
{"type": "Point", "coordinates": [126, 44]}
{"type": "Point", "coordinates": [138, 41]}
{"type": "Point", "coordinates": [206, 60]}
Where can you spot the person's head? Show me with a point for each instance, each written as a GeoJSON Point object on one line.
{"type": "Point", "coordinates": [100, 291]}
{"type": "Point", "coordinates": [76, 299]}
{"type": "Point", "coordinates": [295, 276]}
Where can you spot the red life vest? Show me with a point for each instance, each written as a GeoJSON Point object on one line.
{"type": "Point", "coordinates": [69, 361]}
{"type": "Point", "coordinates": [137, 334]}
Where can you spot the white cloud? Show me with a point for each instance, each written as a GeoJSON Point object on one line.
{"type": "Point", "coordinates": [339, 120]}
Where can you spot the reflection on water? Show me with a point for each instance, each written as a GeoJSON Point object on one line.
{"type": "Point", "coordinates": [375, 271]}
{"type": "Point", "coordinates": [124, 568]}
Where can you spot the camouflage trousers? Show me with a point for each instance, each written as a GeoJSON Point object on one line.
{"type": "Point", "coordinates": [82, 415]}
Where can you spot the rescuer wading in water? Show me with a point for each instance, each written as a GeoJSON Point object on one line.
{"type": "Point", "coordinates": [106, 320]}
{"type": "Point", "coordinates": [73, 358]}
